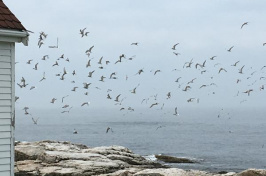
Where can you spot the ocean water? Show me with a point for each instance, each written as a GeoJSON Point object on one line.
{"type": "Point", "coordinates": [234, 141]}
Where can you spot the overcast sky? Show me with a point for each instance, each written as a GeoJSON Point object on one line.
{"type": "Point", "coordinates": [202, 28]}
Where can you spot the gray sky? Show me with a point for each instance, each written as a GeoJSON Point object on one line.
{"type": "Point", "coordinates": [202, 28]}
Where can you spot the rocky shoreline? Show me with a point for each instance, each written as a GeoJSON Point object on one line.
{"type": "Point", "coordinates": [53, 158]}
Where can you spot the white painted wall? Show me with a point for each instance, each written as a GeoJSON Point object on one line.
{"type": "Point", "coordinates": [7, 107]}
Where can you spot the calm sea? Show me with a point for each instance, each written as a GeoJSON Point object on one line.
{"type": "Point", "coordinates": [234, 141]}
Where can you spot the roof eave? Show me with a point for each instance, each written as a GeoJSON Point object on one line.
{"type": "Point", "coordinates": [14, 36]}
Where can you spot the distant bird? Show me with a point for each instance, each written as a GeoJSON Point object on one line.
{"type": "Point", "coordinates": [85, 103]}
{"type": "Point", "coordinates": [56, 63]}
{"type": "Point", "coordinates": [35, 121]}
{"type": "Point", "coordinates": [241, 70]}
{"type": "Point", "coordinates": [262, 87]}
{"type": "Point", "coordinates": [190, 100]}
{"type": "Point", "coordinates": [117, 97]}
{"type": "Point", "coordinates": [29, 61]}
{"type": "Point", "coordinates": [74, 72]}
{"type": "Point", "coordinates": [36, 67]}
{"type": "Point", "coordinates": [177, 79]}
{"type": "Point", "coordinates": [157, 71]}
{"type": "Point", "coordinates": [86, 85]}
{"type": "Point", "coordinates": [82, 32]}
{"type": "Point", "coordinates": [64, 98]}
{"type": "Point", "coordinates": [204, 85]}
{"type": "Point", "coordinates": [88, 64]}
{"type": "Point", "coordinates": [160, 127]}
{"type": "Point", "coordinates": [109, 129]}
{"type": "Point", "coordinates": [32, 87]}
{"type": "Point", "coordinates": [135, 43]}
{"type": "Point", "coordinates": [112, 74]}
{"type": "Point", "coordinates": [263, 67]}
{"type": "Point", "coordinates": [134, 90]}
{"type": "Point", "coordinates": [168, 95]}
{"type": "Point", "coordinates": [212, 58]}
{"type": "Point", "coordinates": [154, 104]}
{"type": "Point", "coordinates": [100, 61]}
{"type": "Point", "coordinates": [173, 48]}
{"type": "Point", "coordinates": [222, 69]}
{"type": "Point", "coordinates": [229, 50]}
{"type": "Point", "coordinates": [43, 78]}
{"type": "Point", "coordinates": [102, 78]}
{"type": "Point", "coordinates": [16, 98]}
{"type": "Point", "coordinates": [74, 89]}
{"type": "Point", "coordinates": [187, 88]}
{"type": "Point", "coordinates": [248, 91]}
{"type": "Point", "coordinates": [175, 53]}
{"type": "Point", "coordinates": [246, 23]}
{"type": "Point", "coordinates": [89, 50]}
{"type": "Point", "coordinates": [90, 73]}
{"type": "Point", "coordinates": [235, 63]}
{"type": "Point", "coordinates": [192, 81]}
{"type": "Point", "coordinates": [53, 100]}
{"type": "Point", "coordinates": [75, 131]}
{"type": "Point", "coordinates": [140, 71]}
{"type": "Point", "coordinates": [45, 57]}
{"type": "Point", "coordinates": [108, 96]}
{"type": "Point", "coordinates": [176, 113]}
{"type": "Point", "coordinates": [65, 106]}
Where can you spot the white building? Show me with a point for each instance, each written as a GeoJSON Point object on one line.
{"type": "Point", "coordinates": [11, 31]}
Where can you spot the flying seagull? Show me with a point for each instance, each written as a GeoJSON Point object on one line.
{"type": "Point", "coordinates": [246, 23]}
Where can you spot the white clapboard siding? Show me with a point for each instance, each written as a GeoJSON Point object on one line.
{"type": "Point", "coordinates": [5, 65]}
{"type": "Point", "coordinates": [5, 128]}
{"type": "Point", "coordinates": [5, 115]}
{"type": "Point", "coordinates": [5, 155]}
{"type": "Point", "coordinates": [5, 102]}
{"type": "Point", "coordinates": [5, 109]}
{"type": "Point", "coordinates": [5, 59]}
{"type": "Point", "coordinates": [5, 52]}
{"type": "Point", "coordinates": [5, 173]}
{"type": "Point", "coordinates": [5, 97]}
{"type": "Point", "coordinates": [4, 148]}
{"type": "Point", "coordinates": [4, 161]}
{"type": "Point", "coordinates": [5, 77]}
{"type": "Point", "coordinates": [5, 71]}
{"type": "Point", "coordinates": [5, 134]}
{"type": "Point", "coordinates": [4, 167]}
{"type": "Point", "coordinates": [5, 83]}
{"type": "Point", "coordinates": [5, 122]}
{"type": "Point", "coordinates": [5, 141]}
{"type": "Point", "coordinates": [5, 90]}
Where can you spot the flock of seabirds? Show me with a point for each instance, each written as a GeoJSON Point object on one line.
{"type": "Point", "coordinates": [151, 101]}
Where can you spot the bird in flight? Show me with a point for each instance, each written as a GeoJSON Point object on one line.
{"type": "Point", "coordinates": [154, 104]}
{"type": "Point", "coordinates": [212, 58]}
{"type": "Point", "coordinates": [222, 69]}
{"type": "Point", "coordinates": [85, 103]}
{"type": "Point", "coordinates": [135, 44]}
{"type": "Point", "coordinates": [229, 50]}
{"type": "Point", "coordinates": [248, 91]}
{"type": "Point", "coordinates": [176, 113]}
{"type": "Point", "coordinates": [173, 48]}
{"type": "Point", "coordinates": [241, 70]}
{"type": "Point", "coordinates": [109, 129]}
{"type": "Point", "coordinates": [246, 23]}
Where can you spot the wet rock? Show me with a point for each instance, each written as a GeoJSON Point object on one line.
{"type": "Point", "coordinates": [171, 159]}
